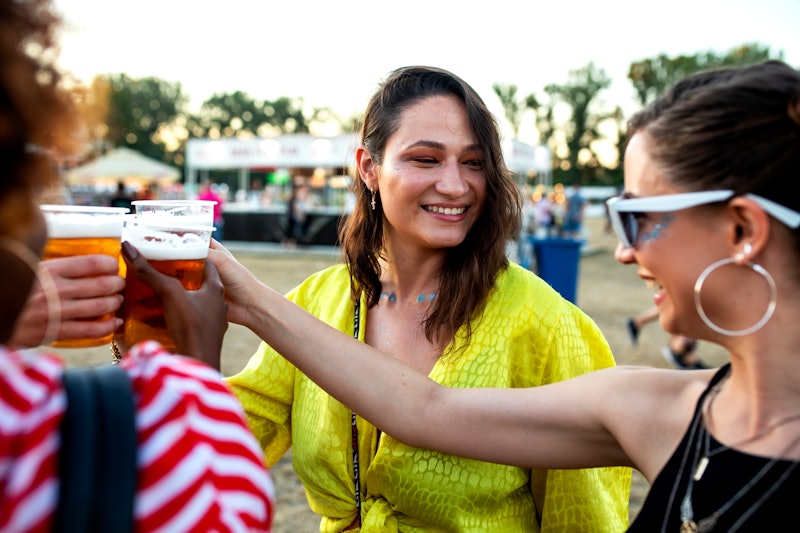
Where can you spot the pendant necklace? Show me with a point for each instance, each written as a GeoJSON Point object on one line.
{"type": "Point", "coordinates": [702, 464]}
{"type": "Point", "coordinates": [392, 297]}
{"type": "Point", "coordinates": [688, 524]}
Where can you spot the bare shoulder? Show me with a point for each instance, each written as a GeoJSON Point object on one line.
{"type": "Point", "coordinates": [659, 378]}
{"type": "Point", "coordinates": [650, 409]}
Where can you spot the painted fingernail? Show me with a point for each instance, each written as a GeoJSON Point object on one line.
{"type": "Point", "coordinates": [129, 251]}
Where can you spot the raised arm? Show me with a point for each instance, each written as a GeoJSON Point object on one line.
{"type": "Point", "coordinates": [558, 425]}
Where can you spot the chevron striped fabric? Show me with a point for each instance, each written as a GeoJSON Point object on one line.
{"type": "Point", "coordinates": [200, 468]}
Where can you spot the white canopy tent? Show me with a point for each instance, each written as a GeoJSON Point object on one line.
{"type": "Point", "coordinates": [309, 151]}
{"type": "Point", "coordinates": [124, 164]}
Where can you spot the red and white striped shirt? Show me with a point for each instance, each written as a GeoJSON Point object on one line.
{"type": "Point", "coordinates": [200, 468]}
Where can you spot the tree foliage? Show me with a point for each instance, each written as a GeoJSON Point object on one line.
{"type": "Point", "coordinates": [149, 114]}
{"type": "Point", "coordinates": [512, 106]}
{"type": "Point", "coordinates": [580, 162]}
{"type": "Point", "coordinates": [651, 77]}
{"type": "Point", "coordinates": [237, 114]}
{"type": "Point", "coordinates": [141, 111]}
{"type": "Point", "coordinates": [228, 115]}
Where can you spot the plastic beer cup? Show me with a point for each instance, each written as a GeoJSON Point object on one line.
{"type": "Point", "coordinates": [82, 230]}
{"type": "Point", "coordinates": [181, 211]}
{"type": "Point", "coordinates": [176, 249]}
{"type": "Point", "coordinates": [169, 211]}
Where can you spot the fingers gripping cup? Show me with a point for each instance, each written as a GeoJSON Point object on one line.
{"type": "Point", "coordinates": [83, 230]}
{"type": "Point", "coordinates": [173, 248]}
{"type": "Point", "coordinates": [166, 211]}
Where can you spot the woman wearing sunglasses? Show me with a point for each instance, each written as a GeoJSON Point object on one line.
{"type": "Point", "coordinates": [710, 219]}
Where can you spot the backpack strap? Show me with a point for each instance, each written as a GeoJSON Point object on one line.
{"type": "Point", "coordinates": [97, 459]}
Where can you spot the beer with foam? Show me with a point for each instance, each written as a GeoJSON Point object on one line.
{"type": "Point", "coordinates": [176, 250]}
{"type": "Point", "coordinates": [82, 230]}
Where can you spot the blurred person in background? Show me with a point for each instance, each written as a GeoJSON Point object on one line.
{"type": "Point", "coordinates": [122, 198]}
{"type": "Point", "coordinates": [680, 351]}
{"type": "Point", "coordinates": [209, 193]}
{"type": "Point", "coordinates": [574, 213]}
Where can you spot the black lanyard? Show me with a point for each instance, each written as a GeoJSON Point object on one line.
{"type": "Point", "coordinates": [354, 427]}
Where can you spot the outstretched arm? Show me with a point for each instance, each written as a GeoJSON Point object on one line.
{"type": "Point", "coordinates": [553, 426]}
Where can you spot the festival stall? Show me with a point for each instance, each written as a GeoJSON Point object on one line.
{"type": "Point", "coordinates": [323, 163]}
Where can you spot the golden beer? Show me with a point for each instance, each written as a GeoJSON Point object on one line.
{"type": "Point", "coordinates": [144, 315]}
{"type": "Point", "coordinates": [83, 230]}
{"type": "Point", "coordinates": [81, 246]}
{"type": "Point", "coordinates": [173, 249]}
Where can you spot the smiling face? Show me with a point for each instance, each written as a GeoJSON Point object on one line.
{"type": "Point", "coordinates": [431, 182]}
{"type": "Point", "coordinates": [673, 248]}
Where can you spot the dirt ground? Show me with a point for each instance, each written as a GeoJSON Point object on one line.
{"type": "Point", "coordinates": [607, 291]}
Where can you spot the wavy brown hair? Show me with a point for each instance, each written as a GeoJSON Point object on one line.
{"type": "Point", "coordinates": [471, 268]}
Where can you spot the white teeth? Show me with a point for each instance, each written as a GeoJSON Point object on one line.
{"type": "Point", "coordinates": [446, 210]}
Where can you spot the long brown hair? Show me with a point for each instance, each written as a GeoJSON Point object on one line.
{"type": "Point", "coordinates": [470, 269]}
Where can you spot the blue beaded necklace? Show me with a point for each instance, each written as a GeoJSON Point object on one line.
{"type": "Point", "coordinates": [392, 297]}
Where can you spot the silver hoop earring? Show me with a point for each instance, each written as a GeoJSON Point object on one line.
{"type": "Point", "coordinates": [773, 297]}
{"type": "Point", "coordinates": [372, 203]}
{"type": "Point", "coordinates": [24, 254]}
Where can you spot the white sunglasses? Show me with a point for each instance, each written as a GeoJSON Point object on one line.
{"type": "Point", "coordinates": [623, 212]}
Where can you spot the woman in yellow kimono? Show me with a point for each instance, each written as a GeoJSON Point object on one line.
{"type": "Point", "coordinates": [426, 280]}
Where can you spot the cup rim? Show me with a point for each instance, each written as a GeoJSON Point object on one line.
{"type": "Point", "coordinates": [166, 224]}
{"type": "Point", "coordinates": [174, 202]}
{"type": "Point", "coordinates": [88, 209]}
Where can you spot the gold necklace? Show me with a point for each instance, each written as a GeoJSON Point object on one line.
{"type": "Point", "coordinates": [688, 524]}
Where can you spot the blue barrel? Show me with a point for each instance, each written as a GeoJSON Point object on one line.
{"type": "Point", "coordinates": [557, 262]}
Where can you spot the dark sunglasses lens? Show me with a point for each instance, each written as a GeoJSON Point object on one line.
{"type": "Point", "coordinates": [630, 226]}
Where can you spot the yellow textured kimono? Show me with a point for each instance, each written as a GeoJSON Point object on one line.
{"type": "Point", "coordinates": [527, 336]}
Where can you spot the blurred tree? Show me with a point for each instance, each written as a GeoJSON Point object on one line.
{"type": "Point", "coordinates": [148, 114]}
{"type": "Point", "coordinates": [228, 115]}
{"type": "Point", "coordinates": [651, 77]}
{"type": "Point", "coordinates": [142, 113]}
{"type": "Point", "coordinates": [575, 154]}
{"type": "Point", "coordinates": [286, 115]}
{"type": "Point", "coordinates": [238, 115]}
{"type": "Point", "coordinates": [513, 108]}
{"type": "Point", "coordinates": [350, 124]}
{"type": "Point", "coordinates": [93, 103]}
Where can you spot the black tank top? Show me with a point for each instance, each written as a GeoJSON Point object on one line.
{"type": "Point", "coordinates": [727, 473]}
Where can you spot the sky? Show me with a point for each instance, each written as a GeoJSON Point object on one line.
{"type": "Point", "coordinates": [333, 53]}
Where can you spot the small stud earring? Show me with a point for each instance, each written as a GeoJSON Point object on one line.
{"type": "Point", "coordinates": [742, 255]}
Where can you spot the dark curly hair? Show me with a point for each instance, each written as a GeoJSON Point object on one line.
{"type": "Point", "coordinates": [470, 270]}
{"type": "Point", "coordinates": [37, 116]}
